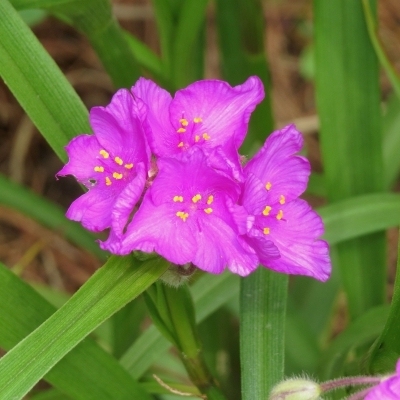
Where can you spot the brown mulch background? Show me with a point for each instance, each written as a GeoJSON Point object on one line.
{"type": "Point", "coordinates": [40, 255]}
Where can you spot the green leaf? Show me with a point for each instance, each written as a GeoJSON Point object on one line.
{"type": "Point", "coordinates": [86, 372]}
{"type": "Point", "coordinates": [48, 214]}
{"type": "Point", "coordinates": [379, 50]}
{"type": "Point", "coordinates": [262, 332]}
{"type": "Point", "coordinates": [348, 100]}
{"type": "Point", "coordinates": [386, 350]}
{"type": "Point", "coordinates": [95, 19]}
{"type": "Point", "coordinates": [363, 330]}
{"type": "Point", "coordinates": [110, 288]}
{"type": "Point", "coordinates": [33, 17]}
{"type": "Point", "coordinates": [360, 215]}
{"type": "Point", "coordinates": [38, 84]}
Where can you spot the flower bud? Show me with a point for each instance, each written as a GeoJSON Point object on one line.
{"type": "Point", "coordinates": [296, 389]}
{"type": "Point", "coordinates": [177, 275]}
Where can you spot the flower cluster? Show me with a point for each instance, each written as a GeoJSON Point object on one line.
{"type": "Point", "coordinates": [164, 174]}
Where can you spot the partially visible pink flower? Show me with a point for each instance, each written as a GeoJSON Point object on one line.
{"type": "Point", "coordinates": [388, 389]}
{"type": "Point", "coordinates": [112, 164]}
{"type": "Point", "coordinates": [189, 215]}
{"type": "Point", "coordinates": [209, 114]}
{"type": "Point", "coordinates": [274, 179]}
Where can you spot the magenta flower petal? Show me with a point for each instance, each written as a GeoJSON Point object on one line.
{"type": "Point", "coordinates": [277, 166]}
{"type": "Point", "coordinates": [83, 152]}
{"type": "Point", "coordinates": [112, 163]}
{"type": "Point", "coordinates": [92, 209]}
{"type": "Point", "coordinates": [222, 111]}
{"type": "Point", "coordinates": [388, 389]}
{"type": "Point", "coordinates": [294, 235]}
{"type": "Point", "coordinates": [118, 127]}
{"type": "Point", "coordinates": [158, 101]}
{"type": "Point", "coordinates": [208, 114]}
{"type": "Point", "coordinates": [274, 179]}
{"type": "Point", "coordinates": [187, 216]}
{"type": "Point", "coordinates": [127, 199]}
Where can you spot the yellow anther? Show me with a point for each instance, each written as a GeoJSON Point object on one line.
{"type": "Point", "coordinates": [104, 153]}
{"type": "Point", "coordinates": [266, 231]}
{"type": "Point", "coordinates": [178, 198]}
{"type": "Point", "coordinates": [206, 136]}
{"type": "Point", "coordinates": [181, 130]}
{"type": "Point", "coordinates": [108, 181]}
{"type": "Point", "coordinates": [197, 120]}
{"type": "Point", "coordinates": [99, 169]}
{"type": "Point", "coordinates": [196, 198]}
{"type": "Point", "coordinates": [118, 161]}
{"type": "Point", "coordinates": [128, 166]}
{"type": "Point", "coordinates": [180, 144]}
{"type": "Point", "coordinates": [184, 122]}
{"type": "Point", "coordinates": [267, 209]}
{"type": "Point", "coordinates": [182, 215]}
{"type": "Point", "coordinates": [116, 175]}
{"type": "Point", "coordinates": [208, 210]}
{"type": "Point", "coordinates": [282, 199]}
{"type": "Point", "coordinates": [280, 215]}
{"type": "Point", "coordinates": [196, 138]}
{"type": "Point", "coordinates": [210, 199]}
{"type": "Point", "coordinates": [268, 185]}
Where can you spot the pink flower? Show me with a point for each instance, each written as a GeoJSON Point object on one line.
{"type": "Point", "coordinates": [388, 389]}
{"type": "Point", "coordinates": [189, 215]}
{"type": "Point", "coordinates": [112, 164]}
{"type": "Point", "coordinates": [275, 178]}
{"type": "Point", "coordinates": [209, 114]}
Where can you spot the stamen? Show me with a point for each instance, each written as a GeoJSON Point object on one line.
{"type": "Point", "coordinates": [104, 153]}
{"type": "Point", "coordinates": [182, 215]}
{"type": "Point", "coordinates": [280, 215]}
{"type": "Point", "coordinates": [184, 122]}
{"type": "Point", "coordinates": [181, 130]}
{"type": "Point", "coordinates": [108, 181]}
{"type": "Point", "coordinates": [206, 136]}
{"type": "Point", "coordinates": [99, 169]}
{"type": "Point", "coordinates": [282, 199]}
{"type": "Point", "coordinates": [197, 120]}
{"type": "Point", "coordinates": [178, 198]}
{"type": "Point", "coordinates": [210, 199]}
{"type": "Point", "coordinates": [116, 175]}
{"type": "Point", "coordinates": [266, 231]}
{"type": "Point", "coordinates": [266, 211]}
{"type": "Point", "coordinates": [128, 166]}
{"type": "Point", "coordinates": [196, 198]}
{"type": "Point", "coordinates": [208, 210]}
{"type": "Point", "coordinates": [268, 185]}
{"type": "Point", "coordinates": [118, 161]}
{"type": "Point", "coordinates": [180, 144]}
{"type": "Point", "coordinates": [196, 138]}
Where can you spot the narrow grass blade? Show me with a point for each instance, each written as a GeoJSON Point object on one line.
{"type": "Point", "coordinates": [86, 372]}
{"type": "Point", "coordinates": [38, 84]}
{"type": "Point", "coordinates": [380, 52]}
{"type": "Point", "coordinates": [386, 350]}
{"type": "Point", "coordinates": [241, 30]}
{"type": "Point", "coordinates": [348, 99]}
{"type": "Point", "coordinates": [95, 19]}
{"type": "Point", "coordinates": [120, 280]}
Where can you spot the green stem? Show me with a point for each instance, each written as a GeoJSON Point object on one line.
{"type": "Point", "coordinates": [262, 332]}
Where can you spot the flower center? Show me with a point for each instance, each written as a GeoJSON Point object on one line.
{"type": "Point", "coordinates": [196, 203]}
{"type": "Point", "coordinates": [191, 133]}
{"type": "Point", "coordinates": [113, 169]}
